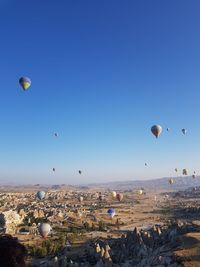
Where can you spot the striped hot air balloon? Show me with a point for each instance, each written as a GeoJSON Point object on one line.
{"type": "Point", "coordinates": [25, 82]}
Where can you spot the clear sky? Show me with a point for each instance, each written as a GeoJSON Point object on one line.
{"type": "Point", "coordinates": [103, 72]}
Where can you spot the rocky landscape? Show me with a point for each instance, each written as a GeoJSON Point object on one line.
{"type": "Point", "coordinates": [157, 247]}
{"type": "Point", "coordinates": [155, 228]}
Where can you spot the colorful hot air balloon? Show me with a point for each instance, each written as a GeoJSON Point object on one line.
{"type": "Point", "coordinates": [156, 130]}
{"type": "Point", "coordinates": [25, 82]}
{"type": "Point", "coordinates": [114, 194]}
{"type": "Point", "coordinates": [44, 229]}
{"type": "Point", "coordinates": [184, 131]}
{"type": "Point", "coordinates": [171, 181]}
{"type": "Point", "coordinates": [111, 212]}
{"type": "Point", "coordinates": [119, 197]}
{"type": "Point", "coordinates": [40, 195]}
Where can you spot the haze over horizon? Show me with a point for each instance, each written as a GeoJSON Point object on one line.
{"type": "Point", "coordinates": [103, 72]}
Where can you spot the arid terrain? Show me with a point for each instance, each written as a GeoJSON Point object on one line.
{"type": "Point", "coordinates": [150, 228]}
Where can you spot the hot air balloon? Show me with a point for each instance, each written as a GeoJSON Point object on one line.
{"type": "Point", "coordinates": [80, 172]}
{"type": "Point", "coordinates": [81, 199]}
{"type": "Point", "coordinates": [40, 195]}
{"type": "Point", "coordinates": [193, 176]}
{"type": "Point", "coordinates": [185, 172]}
{"type": "Point", "coordinates": [146, 164]}
{"type": "Point", "coordinates": [176, 170]}
{"type": "Point", "coordinates": [25, 82]}
{"type": "Point", "coordinates": [171, 181]}
{"type": "Point", "coordinates": [119, 197]}
{"type": "Point", "coordinates": [168, 129]}
{"type": "Point", "coordinates": [44, 229]}
{"type": "Point", "coordinates": [140, 192]}
{"type": "Point", "coordinates": [194, 172]}
{"type": "Point", "coordinates": [114, 194]}
{"type": "Point", "coordinates": [111, 212]}
{"type": "Point", "coordinates": [55, 259]}
{"type": "Point", "coordinates": [156, 130]}
{"type": "Point", "coordinates": [56, 135]}
{"type": "Point", "coordinates": [54, 169]}
{"type": "Point", "coordinates": [184, 131]}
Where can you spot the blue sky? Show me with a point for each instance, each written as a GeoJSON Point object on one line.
{"type": "Point", "coordinates": [103, 72]}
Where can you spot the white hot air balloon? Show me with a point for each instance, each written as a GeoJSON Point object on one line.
{"type": "Point", "coordinates": [44, 229]}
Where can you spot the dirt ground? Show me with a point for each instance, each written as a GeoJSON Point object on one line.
{"type": "Point", "coordinates": [190, 250]}
{"type": "Point", "coordinates": [142, 212]}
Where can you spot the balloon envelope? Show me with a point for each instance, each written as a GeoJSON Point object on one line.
{"type": "Point", "coordinates": [81, 199]}
{"type": "Point", "coordinates": [25, 82]}
{"type": "Point", "coordinates": [80, 172]}
{"type": "Point", "coordinates": [185, 172]}
{"type": "Point", "coordinates": [156, 130]}
{"type": "Point", "coordinates": [40, 194]}
{"type": "Point", "coordinates": [111, 212]}
{"type": "Point", "coordinates": [171, 181]}
{"type": "Point", "coordinates": [184, 131]}
{"type": "Point", "coordinates": [119, 197]}
{"type": "Point", "coordinates": [114, 194]}
{"type": "Point", "coordinates": [140, 192]}
{"type": "Point", "coordinates": [44, 229]}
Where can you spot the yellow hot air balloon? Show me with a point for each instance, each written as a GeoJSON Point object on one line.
{"type": "Point", "coordinates": [25, 82]}
{"type": "Point", "coordinates": [114, 194]}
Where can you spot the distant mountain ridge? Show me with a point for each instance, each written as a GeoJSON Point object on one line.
{"type": "Point", "coordinates": [180, 183]}
{"type": "Point", "coordinates": [161, 183]}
